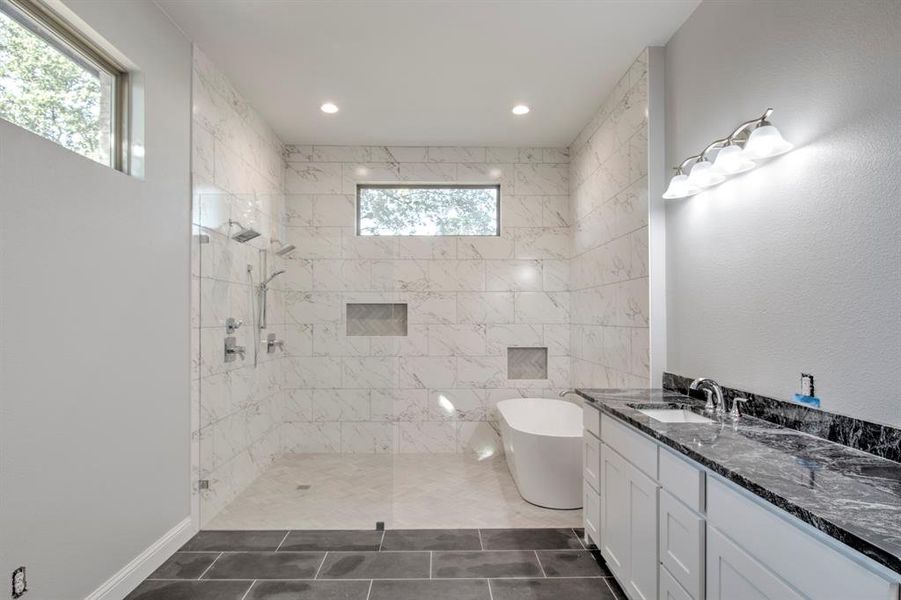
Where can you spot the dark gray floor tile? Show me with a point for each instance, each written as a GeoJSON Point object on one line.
{"type": "Point", "coordinates": [435, 589]}
{"type": "Point", "coordinates": [266, 565]}
{"type": "Point", "coordinates": [190, 590]}
{"type": "Point", "coordinates": [431, 539]}
{"type": "Point", "coordinates": [485, 564]}
{"type": "Point", "coordinates": [551, 589]}
{"type": "Point", "coordinates": [530, 539]}
{"type": "Point", "coordinates": [185, 565]}
{"type": "Point", "coordinates": [375, 565]}
{"type": "Point", "coordinates": [324, 540]}
{"type": "Point", "coordinates": [235, 540]}
{"type": "Point", "coordinates": [571, 563]}
{"type": "Point", "coordinates": [309, 590]}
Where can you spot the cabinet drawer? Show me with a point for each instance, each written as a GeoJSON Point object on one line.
{"type": "Point", "coordinates": [591, 461]}
{"type": "Point", "coordinates": [591, 420]}
{"type": "Point", "coordinates": [631, 445]}
{"type": "Point", "coordinates": [670, 588]}
{"type": "Point", "coordinates": [682, 544]}
{"type": "Point", "coordinates": [682, 479]}
{"type": "Point", "coordinates": [733, 575]}
{"type": "Point", "coordinates": [591, 513]}
{"type": "Point", "coordinates": [811, 565]}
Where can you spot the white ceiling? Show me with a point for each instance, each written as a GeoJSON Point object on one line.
{"type": "Point", "coordinates": [427, 72]}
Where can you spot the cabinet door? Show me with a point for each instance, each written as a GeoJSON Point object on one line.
{"type": "Point", "coordinates": [591, 460]}
{"type": "Point", "coordinates": [733, 575]}
{"type": "Point", "coordinates": [670, 588]}
{"type": "Point", "coordinates": [643, 562]}
{"type": "Point", "coordinates": [591, 513]}
{"type": "Point", "coordinates": [615, 512]}
{"type": "Point", "coordinates": [682, 544]}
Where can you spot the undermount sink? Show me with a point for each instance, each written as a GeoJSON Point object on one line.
{"type": "Point", "coordinates": [674, 415]}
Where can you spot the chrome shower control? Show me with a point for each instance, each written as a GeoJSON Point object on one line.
{"type": "Point", "coordinates": [232, 325]}
{"type": "Point", "coordinates": [232, 350]}
{"type": "Point", "coordinates": [272, 342]}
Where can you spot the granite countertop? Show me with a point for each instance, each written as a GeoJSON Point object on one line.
{"type": "Point", "coordinates": [851, 495]}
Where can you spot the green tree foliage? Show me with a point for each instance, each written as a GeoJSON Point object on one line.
{"type": "Point", "coordinates": [46, 92]}
{"type": "Point", "coordinates": [428, 211]}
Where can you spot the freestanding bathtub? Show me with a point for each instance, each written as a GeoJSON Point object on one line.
{"type": "Point", "coordinates": [543, 444]}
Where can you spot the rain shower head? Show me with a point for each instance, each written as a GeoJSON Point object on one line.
{"type": "Point", "coordinates": [285, 248]}
{"type": "Point", "coordinates": [244, 234]}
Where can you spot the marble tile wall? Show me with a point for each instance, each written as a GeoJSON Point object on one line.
{"type": "Point", "coordinates": [238, 174]}
{"type": "Point", "coordinates": [468, 298]}
{"type": "Point", "coordinates": [609, 216]}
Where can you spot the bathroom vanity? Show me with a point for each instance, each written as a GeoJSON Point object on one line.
{"type": "Point", "coordinates": [734, 510]}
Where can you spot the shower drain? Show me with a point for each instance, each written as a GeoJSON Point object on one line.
{"type": "Point", "coordinates": [304, 486]}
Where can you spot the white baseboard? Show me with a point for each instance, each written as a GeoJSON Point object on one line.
{"type": "Point", "coordinates": [122, 583]}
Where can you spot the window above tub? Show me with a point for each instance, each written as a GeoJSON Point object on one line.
{"type": "Point", "coordinates": [428, 210]}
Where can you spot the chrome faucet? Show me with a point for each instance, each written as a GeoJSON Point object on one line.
{"type": "Point", "coordinates": [715, 402]}
{"type": "Point", "coordinates": [565, 393]}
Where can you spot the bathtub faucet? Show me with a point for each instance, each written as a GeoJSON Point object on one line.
{"type": "Point", "coordinates": [564, 394]}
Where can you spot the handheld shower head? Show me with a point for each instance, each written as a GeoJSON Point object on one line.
{"type": "Point", "coordinates": [265, 284]}
{"type": "Point", "coordinates": [245, 234]}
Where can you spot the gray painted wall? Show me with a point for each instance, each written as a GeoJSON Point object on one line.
{"type": "Point", "coordinates": [94, 363]}
{"type": "Point", "coordinates": [795, 265]}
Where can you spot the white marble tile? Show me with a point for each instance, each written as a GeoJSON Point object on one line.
{"type": "Point", "coordinates": [493, 247]}
{"type": "Point", "coordinates": [427, 172]}
{"type": "Point", "coordinates": [432, 307]}
{"type": "Point", "coordinates": [542, 179]}
{"type": "Point", "coordinates": [490, 307]}
{"type": "Point", "coordinates": [456, 405]}
{"type": "Point", "coordinates": [340, 405]}
{"type": "Point", "coordinates": [342, 275]}
{"type": "Point", "coordinates": [542, 307]}
{"type": "Point", "coordinates": [367, 438]}
{"type": "Point", "coordinates": [543, 242]}
{"type": "Point", "coordinates": [314, 178]}
{"type": "Point", "coordinates": [456, 154]}
{"type": "Point", "coordinates": [426, 436]}
{"type": "Point", "coordinates": [427, 372]}
{"type": "Point", "coordinates": [313, 437]}
{"type": "Point", "coordinates": [371, 372]}
{"type": "Point", "coordinates": [501, 337]}
{"type": "Point", "coordinates": [401, 275]}
{"type": "Point", "coordinates": [481, 371]}
{"type": "Point", "coordinates": [514, 275]}
{"type": "Point", "coordinates": [334, 210]}
{"type": "Point", "coordinates": [457, 340]}
{"type": "Point", "coordinates": [400, 405]}
{"type": "Point", "coordinates": [456, 275]}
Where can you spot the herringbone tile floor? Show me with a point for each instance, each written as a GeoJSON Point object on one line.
{"type": "Point", "coordinates": [405, 491]}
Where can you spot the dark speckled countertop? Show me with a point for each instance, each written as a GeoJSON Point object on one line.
{"type": "Point", "coordinates": [848, 494]}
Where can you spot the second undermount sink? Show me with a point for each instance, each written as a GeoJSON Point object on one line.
{"type": "Point", "coordinates": [674, 415]}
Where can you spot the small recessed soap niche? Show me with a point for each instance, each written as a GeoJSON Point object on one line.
{"type": "Point", "coordinates": [376, 319]}
{"type": "Point", "coordinates": [526, 363]}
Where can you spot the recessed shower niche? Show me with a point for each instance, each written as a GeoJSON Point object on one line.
{"type": "Point", "coordinates": [377, 319]}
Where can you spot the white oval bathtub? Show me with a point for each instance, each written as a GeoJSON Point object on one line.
{"type": "Point", "coordinates": [543, 444]}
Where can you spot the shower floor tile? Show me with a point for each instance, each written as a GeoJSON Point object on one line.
{"type": "Point", "coordinates": [405, 491]}
{"type": "Point", "coordinates": [383, 574]}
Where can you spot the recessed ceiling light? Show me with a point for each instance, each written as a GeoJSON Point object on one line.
{"type": "Point", "coordinates": [520, 109]}
{"type": "Point", "coordinates": [329, 108]}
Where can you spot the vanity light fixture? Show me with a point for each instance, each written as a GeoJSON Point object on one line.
{"type": "Point", "coordinates": [329, 108]}
{"type": "Point", "coordinates": [520, 110]}
{"type": "Point", "coordinates": [753, 140]}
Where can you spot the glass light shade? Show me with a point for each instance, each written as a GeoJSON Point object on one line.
{"type": "Point", "coordinates": [766, 141]}
{"type": "Point", "coordinates": [703, 175]}
{"type": "Point", "coordinates": [731, 160]}
{"type": "Point", "coordinates": [679, 187]}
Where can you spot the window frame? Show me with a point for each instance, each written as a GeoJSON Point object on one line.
{"type": "Point", "coordinates": [57, 32]}
{"type": "Point", "coordinates": [429, 186]}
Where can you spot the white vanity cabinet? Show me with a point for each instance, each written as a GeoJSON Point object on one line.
{"type": "Point", "coordinates": [670, 529]}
